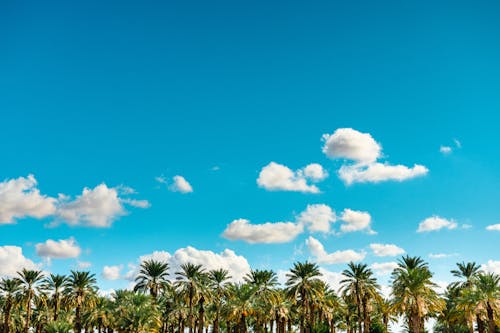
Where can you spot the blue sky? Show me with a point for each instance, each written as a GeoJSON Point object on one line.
{"type": "Point", "coordinates": [125, 92]}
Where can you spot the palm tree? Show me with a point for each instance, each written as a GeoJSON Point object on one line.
{"type": "Point", "coordinates": [488, 289]}
{"type": "Point", "coordinates": [240, 304]}
{"type": "Point", "coordinates": [29, 280]}
{"type": "Point", "coordinates": [264, 282]}
{"type": "Point", "coordinates": [152, 277]}
{"type": "Point", "coordinates": [361, 284]}
{"type": "Point", "coordinates": [218, 280]}
{"type": "Point", "coordinates": [190, 281]}
{"type": "Point", "coordinates": [466, 271]}
{"type": "Point", "coordinates": [386, 310]}
{"type": "Point", "coordinates": [10, 289]}
{"type": "Point", "coordinates": [302, 284]}
{"type": "Point", "coordinates": [413, 291]}
{"type": "Point", "coordinates": [55, 283]}
{"type": "Point", "coordinates": [136, 313]}
{"type": "Point", "coordinates": [80, 286]}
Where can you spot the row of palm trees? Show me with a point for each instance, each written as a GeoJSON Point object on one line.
{"type": "Point", "coordinates": [201, 301]}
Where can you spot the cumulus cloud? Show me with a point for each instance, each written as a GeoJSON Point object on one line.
{"type": "Point", "coordinates": [386, 250]}
{"type": "Point", "coordinates": [317, 218]}
{"type": "Point", "coordinates": [237, 265]}
{"type": "Point", "coordinates": [445, 149]}
{"type": "Point", "coordinates": [12, 260]}
{"type": "Point", "coordinates": [111, 272]}
{"type": "Point", "coordinates": [493, 227]}
{"type": "Point", "coordinates": [277, 232]}
{"type": "Point", "coordinates": [384, 268]}
{"type": "Point", "coordinates": [338, 257]}
{"type": "Point", "coordinates": [180, 184]}
{"type": "Point", "coordinates": [435, 223]}
{"type": "Point", "coordinates": [492, 266]}
{"type": "Point", "coordinates": [363, 153]}
{"type": "Point", "coordinates": [379, 172]}
{"type": "Point", "coordinates": [347, 143]}
{"type": "Point", "coordinates": [20, 198]}
{"type": "Point", "coordinates": [356, 221]}
{"type": "Point", "coordinates": [83, 264]}
{"type": "Point", "coordinates": [61, 249]}
{"type": "Point", "coordinates": [97, 207]}
{"type": "Point", "coordinates": [441, 255]}
{"type": "Point", "coordinates": [278, 177]}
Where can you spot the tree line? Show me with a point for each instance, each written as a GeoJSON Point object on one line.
{"type": "Point", "coordinates": [208, 301]}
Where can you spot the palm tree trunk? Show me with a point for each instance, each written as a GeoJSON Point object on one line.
{"type": "Point", "coordinates": [491, 318]}
{"type": "Point", "coordinates": [190, 315]}
{"type": "Point", "coordinates": [201, 315]}
{"type": "Point", "coordinates": [480, 324]}
{"type": "Point", "coordinates": [6, 320]}
{"type": "Point", "coordinates": [28, 313]}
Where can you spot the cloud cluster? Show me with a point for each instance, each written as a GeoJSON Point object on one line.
{"type": "Point", "coordinates": [493, 227]}
{"type": "Point", "coordinates": [386, 250]}
{"type": "Point", "coordinates": [435, 223]}
{"type": "Point", "coordinates": [278, 177]}
{"type": "Point", "coordinates": [20, 198]}
{"type": "Point", "coordinates": [237, 265]}
{"type": "Point", "coordinates": [61, 249]}
{"type": "Point", "coordinates": [315, 218]}
{"type": "Point", "coordinates": [95, 207]}
{"type": "Point", "coordinates": [492, 266]}
{"type": "Point", "coordinates": [111, 273]}
{"type": "Point", "coordinates": [12, 260]}
{"type": "Point", "coordinates": [277, 232]}
{"type": "Point", "coordinates": [384, 268]}
{"type": "Point", "coordinates": [362, 153]}
{"type": "Point", "coordinates": [177, 184]}
{"type": "Point", "coordinates": [317, 250]}
{"type": "Point", "coordinates": [356, 221]}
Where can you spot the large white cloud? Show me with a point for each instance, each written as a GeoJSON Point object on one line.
{"type": "Point", "coordinates": [492, 266]}
{"type": "Point", "coordinates": [386, 250]}
{"type": "Point", "coordinates": [363, 153]}
{"type": "Point", "coordinates": [435, 223]}
{"type": "Point", "coordinates": [20, 198]}
{"type": "Point", "coordinates": [384, 268]}
{"type": "Point", "coordinates": [111, 272]}
{"type": "Point", "coordinates": [12, 260]}
{"type": "Point", "coordinates": [338, 257]}
{"type": "Point", "coordinates": [97, 207]}
{"type": "Point", "coordinates": [355, 221]}
{"type": "Point", "coordinates": [493, 227]}
{"type": "Point", "coordinates": [277, 232]}
{"type": "Point", "coordinates": [278, 177]}
{"type": "Point", "coordinates": [237, 265]}
{"type": "Point", "coordinates": [61, 249]}
{"type": "Point", "coordinates": [379, 172]}
{"type": "Point", "coordinates": [350, 144]}
{"type": "Point", "coordinates": [317, 218]}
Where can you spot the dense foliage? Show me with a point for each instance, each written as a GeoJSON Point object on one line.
{"type": "Point", "coordinates": [198, 301]}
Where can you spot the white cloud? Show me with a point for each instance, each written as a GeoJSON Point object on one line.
{"type": "Point", "coordinates": [493, 227]}
{"type": "Point", "coordinates": [331, 278]}
{"type": "Point", "coordinates": [20, 198]}
{"type": "Point", "coordinates": [384, 268]}
{"type": "Point", "coordinates": [441, 255]}
{"type": "Point", "coordinates": [337, 257]}
{"type": "Point", "coordinates": [277, 232]}
{"type": "Point", "coordinates": [386, 250]}
{"type": "Point", "coordinates": [492, 266]}
{"type": "Point", "coordinates": [435, 223]}
{"type": "Point", "coordinates": [355, 221]}
{"type": "Point", "coordinates": [97, 207]}
{"type": "Point", "coordinates": [237, 265]}
{"type": "Point", "coordinates": [136, 203]}
{"type": "Point", "coordinates": [317, 218]}
{"type": "Point", "coordinates": [12, 260]}
{"type": "Point", "coordinates": [83, 264]}
{"type": "Point", "coordinates": [379, 172]}
{"type": "Point", "coordinates": [180, 184]}
{"type": "Point", "coordinates": [61, 249]}
{"type": "Point", "coordinates": [350, 144]}
{"type": "Point", "coordinates": [363, 153]}
{"type": "Point", "coordinates": [445, 149]}
{"type": "Point", "coordinates": [111, 272]}
{"type": "Point", "coordinates": [278, 177]}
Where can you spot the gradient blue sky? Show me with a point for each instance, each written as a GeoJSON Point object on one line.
{"type": "Point", "coordinates": [121, 92]}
